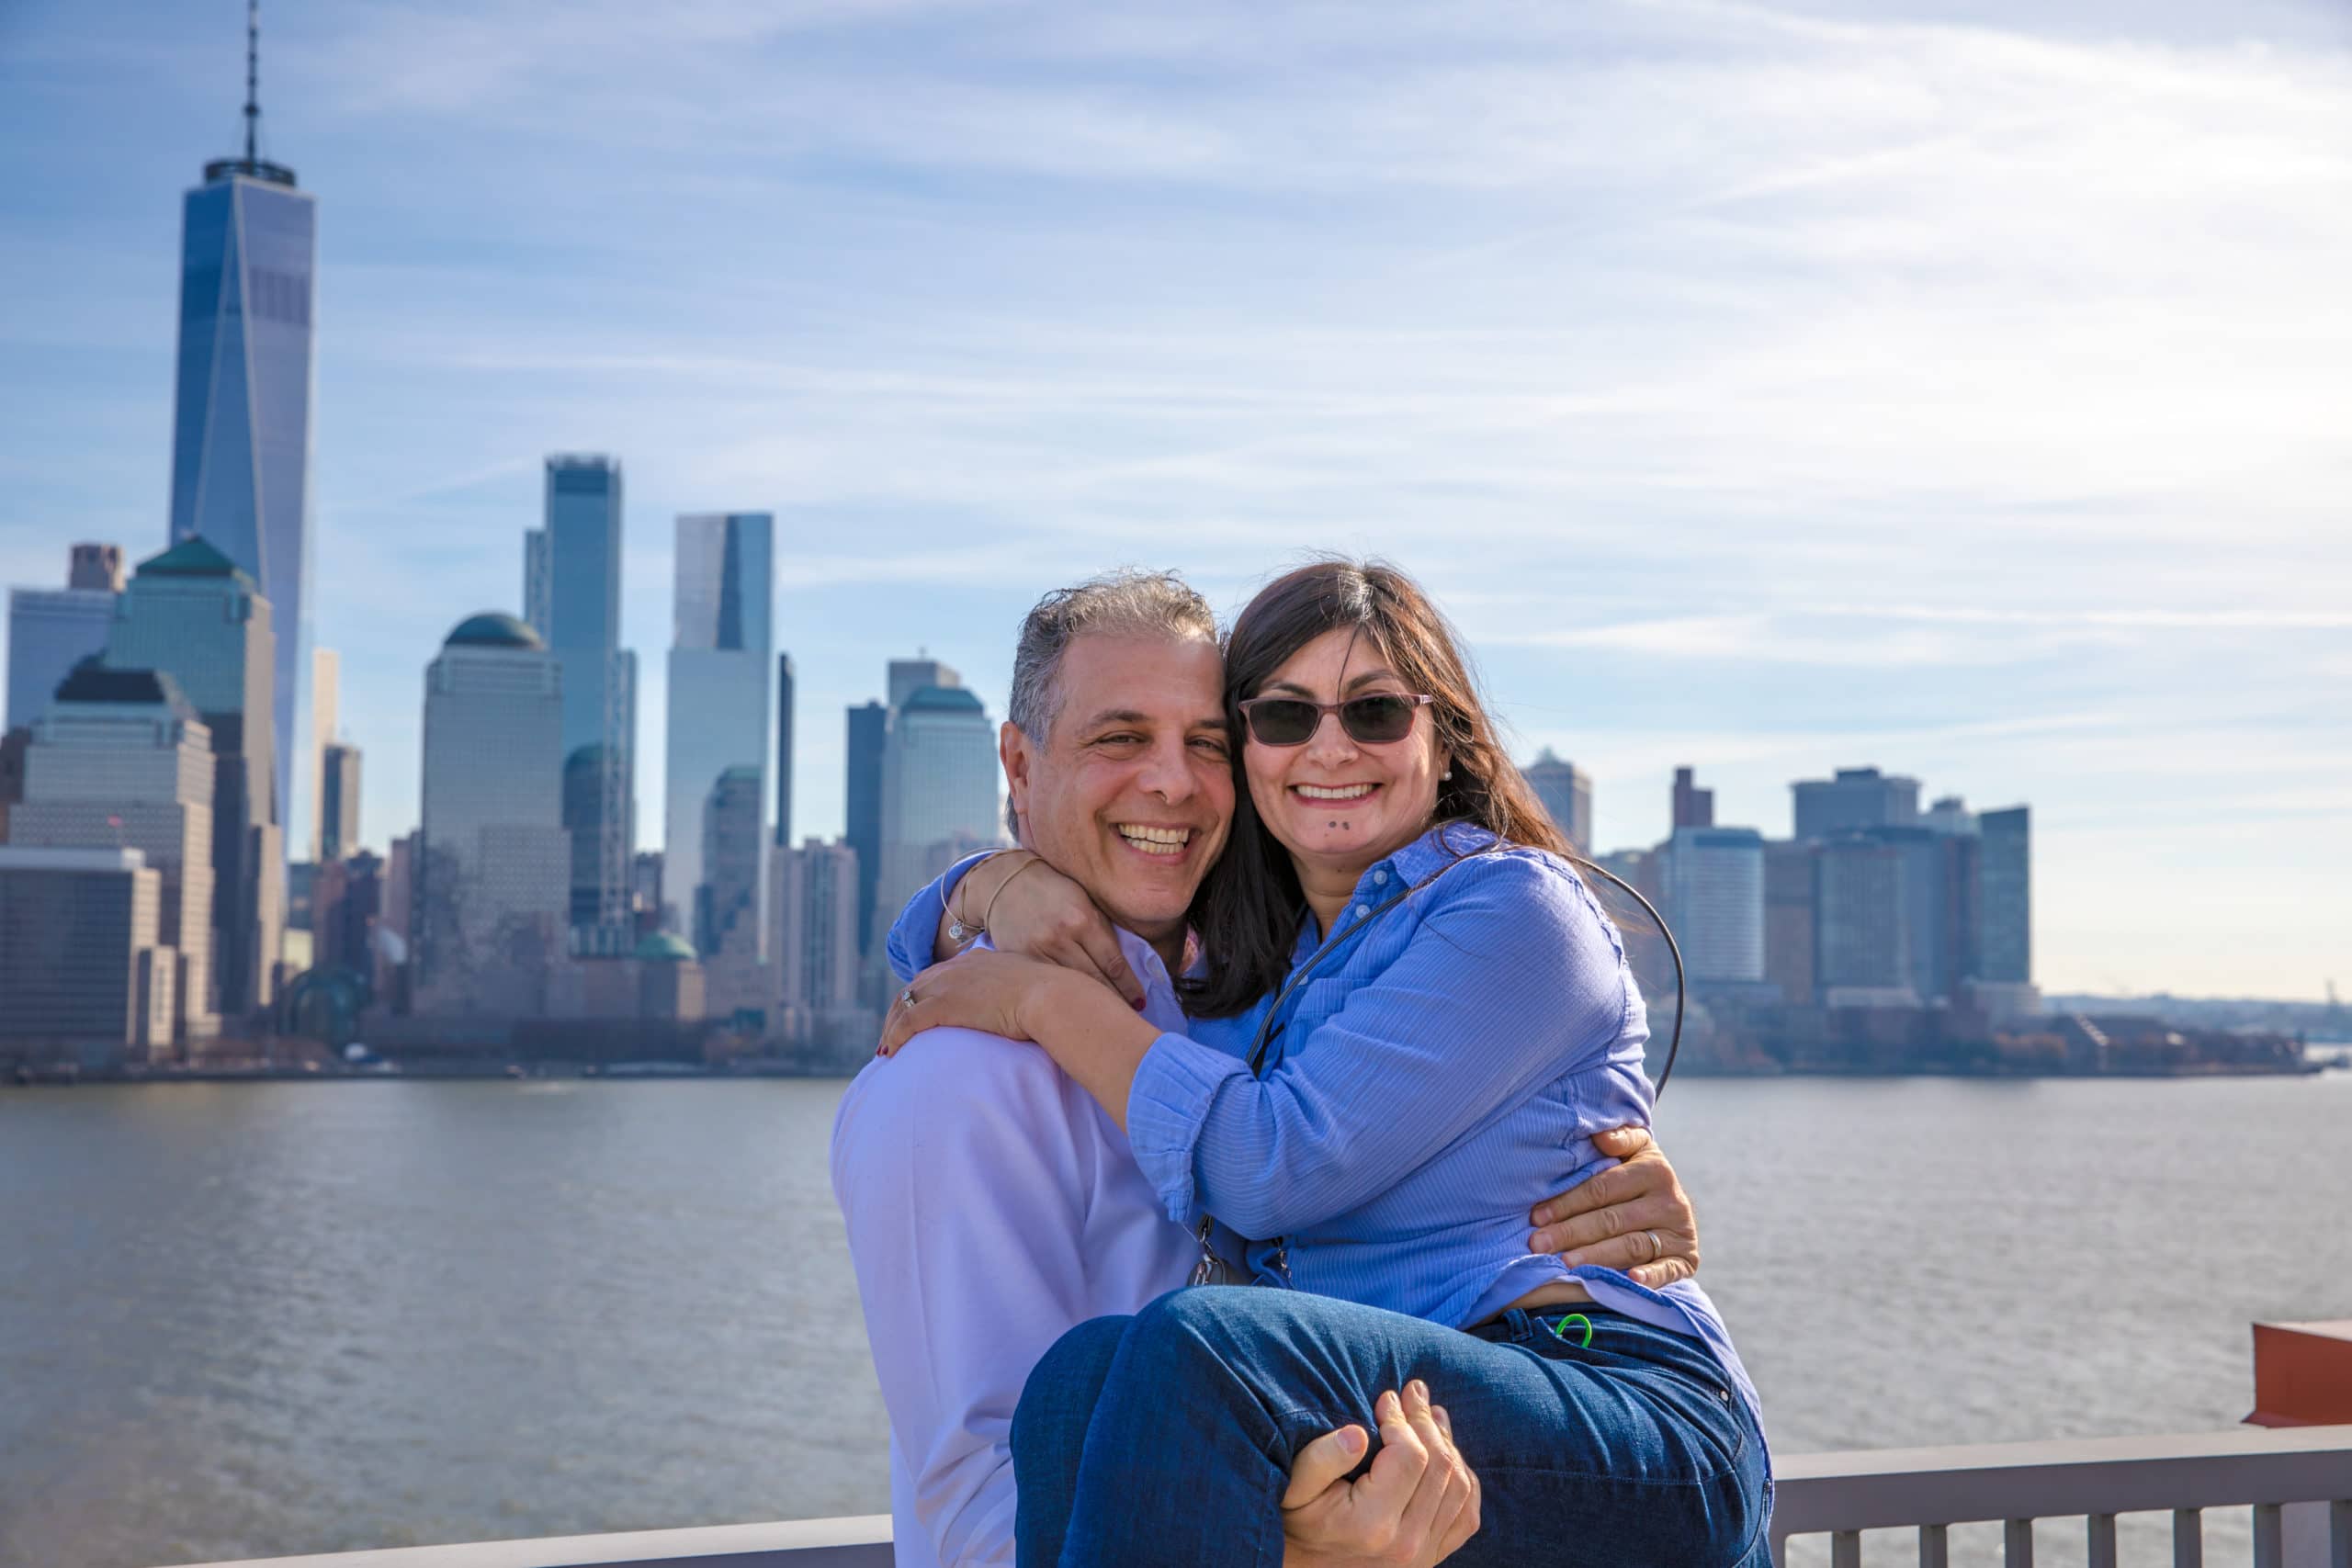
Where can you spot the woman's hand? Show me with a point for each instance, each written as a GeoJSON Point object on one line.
{"type": "Point", "coordinates": [1634, 1216]}
{"type": "Point", "coordinates": [982, 990]}
{"type": "Point", "coordinates": [1029, 907]}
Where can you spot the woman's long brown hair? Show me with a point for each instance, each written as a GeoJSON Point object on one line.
{"type": "Point", "coordinates": [1250, 906]}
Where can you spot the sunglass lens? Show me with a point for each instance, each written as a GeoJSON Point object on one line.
{"type": "Point", "coordinates": [1279, 721]}
{"type": "Point", "coordinates": [1378, 718]}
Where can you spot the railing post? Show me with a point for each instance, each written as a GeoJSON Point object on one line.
{"type": "Point", "coordinates": [2269, 1540]}
{"type": "Point", "coordinates": [2339, 1535]}
{"type": "Point", "coordinates": [2188, 1538]}
{"type": "Point", "coordinates": [2016, 1543]}
{"type": "Point", "coordinates": [1846, 1549]}
{"type": "Point", "coordinates": [1935, 1549]}
{"type": "Point", "coordinates": [2102, 1541]}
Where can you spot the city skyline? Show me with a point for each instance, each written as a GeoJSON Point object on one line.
{"type": "Point", "coordinates": [1785, 452]}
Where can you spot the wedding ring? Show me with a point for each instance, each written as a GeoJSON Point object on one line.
{"type": "Point", "coordinates": [1658, 1249]}
{"type": "Point", "coordinates": [906, 998]}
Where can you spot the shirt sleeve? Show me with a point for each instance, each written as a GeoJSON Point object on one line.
{"type": "Point", "coordinates": [915, 935]}
{"type": "Point", "coordinates": [962, 1188]}
{"type": "Point", "coordinates": [1514, 979]}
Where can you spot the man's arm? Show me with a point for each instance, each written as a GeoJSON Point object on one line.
{"type": "Point", "coordinates": [961, 1191]}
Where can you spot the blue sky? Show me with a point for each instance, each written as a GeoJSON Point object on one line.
{"type": "Point", "coordinates": [1956, 388]}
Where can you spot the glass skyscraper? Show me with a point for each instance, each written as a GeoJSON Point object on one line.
{"type": "Point", "coordinates": [241, 425]}
{"type": "Point", "coordinates": [572, 594]}
{"type": "Point", "coordinates": [491, 877]}
{"type": "Point", "coordinates": [720, 732]}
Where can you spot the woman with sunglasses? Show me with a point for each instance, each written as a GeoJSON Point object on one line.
{"type": "Point", "coordinates": [1408, 1006]}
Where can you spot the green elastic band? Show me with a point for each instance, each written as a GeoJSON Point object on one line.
{"type": "Point", "coordinates": [1576, 1317]}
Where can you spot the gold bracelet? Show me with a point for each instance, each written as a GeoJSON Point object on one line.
{"type": "Point", "coordinates": [961, 932]}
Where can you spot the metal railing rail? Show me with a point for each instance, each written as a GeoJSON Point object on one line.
{"type": "Point", "coordinates": [1837, 1495]}
{"type": "Point", "coordinates": [1842, 1495]}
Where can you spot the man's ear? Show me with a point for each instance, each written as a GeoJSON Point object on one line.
{"type": "Point", "coordinates": [1013, 750]}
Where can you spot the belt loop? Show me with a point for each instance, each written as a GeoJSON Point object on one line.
{"type": "Point", "coordinates": [1523, 1327]}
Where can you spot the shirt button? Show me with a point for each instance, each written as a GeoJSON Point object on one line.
{"type": "Point", "coordinates": [1379, 877]}
{"type": "Point", "coordinates": [1362, 910]}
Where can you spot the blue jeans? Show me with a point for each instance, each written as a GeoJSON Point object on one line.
{"type": "Point", "coordinates": [1167, 1437]}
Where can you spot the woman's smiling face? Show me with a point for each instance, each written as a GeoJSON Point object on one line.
{"type": "Point", "coordinates": [1336, 801]}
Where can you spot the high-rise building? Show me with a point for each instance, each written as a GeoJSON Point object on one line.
{"type": "Point", "coordinates": [14, 744]}
{"type": "Point", "coordinates": [1715, 894]}
{"type": "Point", "coordinates": [86, 977]}
{"type": "Point", "coordinates": [571, 593]}
{"type": "Point", "coordinates": [939, 788]}
{"type": "Point", "coordinates": [1924, 871]}
{"type": "Point", "coordinates": [240, 422]}
{"type": "Point", "coordinates": [1789, 918]}
{"type": "Point", "coordinates": [815, 923]}
{"type": "Point", "coordinates": [869, 737]}
{"type": "Point", "coordinates": [784, 751]}
{"type": "Point", "coordinates": [52, 629]}
{"type": "Point", "coordinates": [338, 801]}
{"type": "Point", "coordinates": [121, 760]}
{"type": "Point", "coordinates": [719, 732]}
{"type": "Point", "coordinates": [2005, 897]}
{"type": "Point", "coordinates": [1694, 806]}
{"type": "Point", "coordinates": [326, 683]}
{"type": "Point", "coordinates": [1566, 791]}
{"type": "Point", "coordinates": [1861, 944]}
{"type": "Point", "coordinates": [1855, 798]}
{"type": "Point", "coordinates": [195, 616]}
{"type": "Point", "coordinates": [908, 676]}
{"type": "Point", "coordinates": [346, 903]}
{"type": "Point", "coordinates": [492, 871]}
{"type": "Point", "coordinates": [1950, 817]}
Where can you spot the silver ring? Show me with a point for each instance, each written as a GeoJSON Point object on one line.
{"type": "Point", "coordinates": [1658, 1249]}
{"type": "Point", "coordinates": [906, 998]}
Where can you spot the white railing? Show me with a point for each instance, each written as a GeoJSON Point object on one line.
{"type": "Point", "coordinates": [2298, 1479]}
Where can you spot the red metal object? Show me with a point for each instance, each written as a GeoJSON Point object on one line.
{"type": "Point", "coordinates": [2303, 1374]}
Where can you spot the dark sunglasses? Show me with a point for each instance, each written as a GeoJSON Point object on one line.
{"type": "Point", "coordinates": [1374, 720]}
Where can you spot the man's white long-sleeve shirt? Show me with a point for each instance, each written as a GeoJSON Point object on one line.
{"type": "Point", "coordinates": [991, 1206]}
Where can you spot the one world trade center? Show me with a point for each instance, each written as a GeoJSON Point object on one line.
{"type": "Point", "coordinates": [241, 427]}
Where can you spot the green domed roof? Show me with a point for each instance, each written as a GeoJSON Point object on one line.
{"type": "Point", "coordinates": [661, 947]}
{"type": "Point", "coordinates": [492, 629]}
{"type": "Point", "coordinates": [941, 699]}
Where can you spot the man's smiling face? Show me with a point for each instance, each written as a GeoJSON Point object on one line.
{"type": "Point", "coordinates": [1130, 791]}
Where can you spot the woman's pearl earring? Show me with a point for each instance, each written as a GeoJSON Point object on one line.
{"type": "Point", "coordinates": [1447, 774]}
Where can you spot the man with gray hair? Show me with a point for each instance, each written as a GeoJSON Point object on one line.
{"type": "Point", "coordinates": [990, 1203]}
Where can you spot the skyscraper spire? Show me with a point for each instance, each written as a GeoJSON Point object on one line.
{"type": "Point", "coordinates": [253, 81]}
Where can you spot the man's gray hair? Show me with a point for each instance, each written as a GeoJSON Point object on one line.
{"type": "Point", "coordinates": [1128, 603]}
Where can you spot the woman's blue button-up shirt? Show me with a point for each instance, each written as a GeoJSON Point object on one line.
{"type": "Point", "coordinates": [1439, 1071]}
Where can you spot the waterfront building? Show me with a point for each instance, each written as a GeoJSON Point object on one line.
{"type": "Point", "coordinates": [2005, 897]}
{"type": "Point", "coordinates": [1716, 898]}
{"type": "Point", "coordinates": [394, 938]}
{"type": "Point", "coordinates": [326, 681]}
{"type": "Point", "coordinates": [86, 978]}
{"type": "Point", "coordinates": [346, 903]}
{"type": "Point", "coordinates": [338, 800]}
{"type": "Point", "coordinates": [571, 595]}
{"type": "Point", "coordinates": [492, 876]}
{"type": "Point", "coordinates": [1950, 815]}
{"type": "Point", "coordinates": [1854, 798]}
{"type": "Point", "coordinates": [122, 760]}
{"type": "Point", "coordinates": [1789, 918]}
{"type": "Point", "coordinates": [14, 744]}
{"type": "Point", "coordinates": [658, 980]}
{"type": "Point", "coordinates": [241, 418]}
{"type": "Point", "coordinates": [718, 745]}
{"type": "Point", "coordinates": [784, 751]}
{"type": "Point", "coordinates": [645, 891]}
{"type": "Point", "coordinates": [52, 629]}
{"type": "Point", "coordinates": [939, 788]}
{"type": "Point", "coordinates": [194, 614]}
{"type": "Point", "coordinates": [1566, 791]}
{"type": "Point", "coordinates": [1859, 941]}
{"type": "Point", "coordinates": [1694, 806]}
{"type": "Point", "coordinates": [869, 737]}
{"type": "Point", "coordinates": [815, 922]}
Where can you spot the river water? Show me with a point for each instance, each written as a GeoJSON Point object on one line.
{"type": "Point", "coordinates": [239, 1320]}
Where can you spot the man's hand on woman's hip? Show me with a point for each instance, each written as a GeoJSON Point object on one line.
{"type": "Point", "coordinates": [1634, 1216]}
